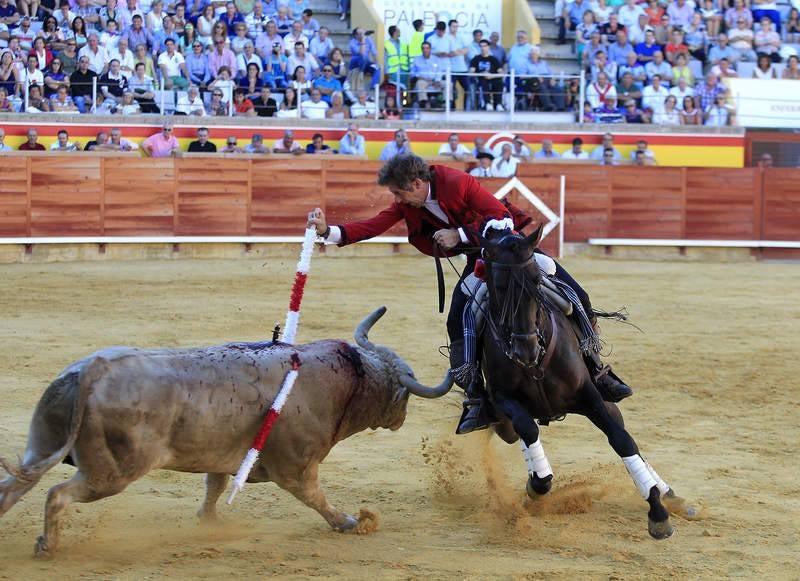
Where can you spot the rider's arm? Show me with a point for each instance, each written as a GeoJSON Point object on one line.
{"type": "Point", "coordinates": [369, 228]}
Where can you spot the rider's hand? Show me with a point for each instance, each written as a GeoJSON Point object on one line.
{"type": "Point", "coordinates": [316, 219]}
{"type": "Point", "coordinates": [447, 239]}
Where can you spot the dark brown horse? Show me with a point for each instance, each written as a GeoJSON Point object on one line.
{"type": "Point", "coordinates": [534, 369]}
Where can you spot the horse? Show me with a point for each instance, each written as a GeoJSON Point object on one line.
{"type": "Point", "coordinates": [534, 369]}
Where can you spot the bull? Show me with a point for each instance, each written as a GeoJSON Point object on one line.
{"type": "Point", "coordinates": [123, 412]}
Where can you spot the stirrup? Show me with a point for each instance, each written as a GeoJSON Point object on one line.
{"type": "Point", "coordinates": [610, 386]}
{"type": "Point", "coordinates": [473, 417]}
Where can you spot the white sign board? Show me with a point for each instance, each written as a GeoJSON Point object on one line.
{"type": "Point", "coordinates": [766, 103]}
{"type": "Point", "coordinates": [487, 15]}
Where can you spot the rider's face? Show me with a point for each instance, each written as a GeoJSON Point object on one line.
{"type": "Point", "coordinates": [415, 196]}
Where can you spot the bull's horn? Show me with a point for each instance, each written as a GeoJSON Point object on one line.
{"type": "Point", "coordinates": [364, 327]}
{"type": "Point", "coordinates": [413, 386]}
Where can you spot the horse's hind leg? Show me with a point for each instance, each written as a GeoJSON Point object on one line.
{"type": "Point", "coordinates": [649, 483]}
{"type": "Point", "coordinates": [540, 474]}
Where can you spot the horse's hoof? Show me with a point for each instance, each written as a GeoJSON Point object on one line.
{"type": "Point", "coordinates": [679, 506]}
{"type": "Point", "coordinates": [41, 550]}
{"type": "Point", "coordinates": [537, 486]}
{"type": "Point", "coordinates": [659, 530]}
{"type": "Point", "coordinates": [349, 524]}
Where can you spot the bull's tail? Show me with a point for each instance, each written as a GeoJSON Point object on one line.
{"type": "Point", "coordinates": [25, 476]}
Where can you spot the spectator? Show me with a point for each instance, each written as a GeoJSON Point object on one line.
{"type": "Point", "coordinates": [162, 144]}
{"type": "Point", "coordinates": [608, 143]}
{"type": "Point", "coordinates": [609, 31]}
{"type": "Point", "coordinates": [321, 45]}
{"type": "Point", "coordinates": [231, 146]}
{"type": "Point", "coordinates": [681, 90]}
{"type": "Point", "coordinates": [205, 25]}
{"type": "Point", "coordinates": [676, 47]}
{"type": "Point", "coordinates": [706, 92]}
{"type": "Point", "coordinates": [629, 14]}
{"type": "Point", "coordinates": [519, 149]}
{"type": "Point", "coordinates": [221, 56]}
{"type": "Point", "coordinates": [400, 145]}
{"type": "Point", "coordinates": [576, 152]}
{"type": "Point", "coordinates": [599, 91]}
{"type": "Point", "coordinates": [61, 102]}
{"type": "Point", "coordinates": [484, 169]}
{"type": "Point", "coordinates": [32, 75]}
{"type": "Point", "coordinates": [337, 110]}
{"type": "Point", "coordinates": [658, 66]}
{"type": "Point", "coordinates": [718, 114]}
{"type": "Point", "coordinates": [267, 40]}
{"type": "Point", "coordinates": [426, 75]}
{"type": "Point", "coordinates": [256, 145]}
{"type": "Point", "coordinates": [453, 148]}
{"type": "Point", "coordinates": [124, 56]}
{"type": "Point", "coordinates": [738, 12]}
{"type": "Point", "coordinates": [682, 71]}
{"type": "Point", "coordinates": [633, 114]}
{"type": "Point", "coordinates": [300, 83]}
{"type": "Point", "coordinates": [480, 147]}
{"type": "Point", "coordinates": [364, 54]}
{"type": "Point", "coordinates": [242, 106]}
{"type": "Point", "coordinates": [283, 22]}
{"type": "Point", "coordinates": [792, 28]}
{"type": "Point", "coordinates": [78, 32]}
{"type": "Point", "coordinates": [3, 146]}
{"type": "Point", "coordinates": [129, 105]}
{"type": "Point", "coordinates": [363, 108]}
{"type": "Point", "coordinates": [627, 89]}
{"type": "Point", "coordinates": [636, 33]}
{"type": "Point", "coordinates": [191, 103]}
{"type": "Point", "coordinates": [314, 108]}
{"type": "Point", "coordinates": [25, 34]}
{"type": "Point", "coordinates": [173, 67]}
{"type": "Point", "coordinates": [224, 83]}
{"type": "Point", "coordinates": [519, 54]}
{"type": "Point", "coordinates": [142, 56]}
{"type": "Point", "coordinates": [645, 51]}
{"type": "Point", "coordinates": [264, 104]}
{"type": "Point", "coordinates": [546, 152]}
{"type": "Point", "coordinates": [602, 11]}
{"type": "Point", "coordinates": [69, 57]}
{"type": "Point", "coordinates": [287, 144]}
{"type": "Point", "coordinates": [119, 143]}
{"type": "Point", "coordinates": [239, 41]}
{"type": "Point", "coordinates": [95, 53]}
{"type": "Point", "coordinates": [765, 161]}
{"type": "Point", "coordinates": [390, 111]}
{"type": "Point", "coordinates": [275, 70]}
{"type": "Point", "coordinates": [154, 19]}
{"type": "Point", "coordinates": [505, 166]}
{"type": "Point", "coordinates": [32, 144]}
{"type": "Point", "coordinates": [197, 65]}
{"type": "Point", "coordinates": [251, 83]}
{"type": "Point", "coordinates": [112, 84]}
{"type": "Point", "coordinates": [457, 62]}
{"type": "Point", "coordinates": [680, 13]}
{"type": "Point", "coordinates": [490, 81]}
{"type": "Point", "coordinates": [584, 33]}
{"type": "Point", "coordinates": [98, 142]}
{"type": "Point", "coordinates": [608, 157]}
{"type": "Point", "coordinates": [318, 146]}
{"type": "Point", "coordinates": [168, 32]}
{"type": "Point", "coordinates": [8, 13]}
{"type": "Point", "coordinates": [541, 87]}
{"type": "Point", "coordinates": [670, 115]}
{"type": "Point", "coordinates": [217, 107]}
{"type": "Point", "coordinates": [288, 107]}
{"type": "Point", "coordinates": [42, 53]}
{"type": "Point", "coordinates": [352, 143]}
{"type": "Point", "coordinates": [792, 70]}
{"type": "Point", "coordinates": [766, 9]}
{"type": "Point", "coordinates": [591, 50]}
{"type": "Point", "coordinates": [724, 70]}
{"type": "Point", "coordinates": [767, 41]}
{"type": "Point", "coordinates": [6, 104]}
{"type": "Point", "coordinates": [36, 101]}
{"type": "Point", "coordinates": [741, 40]}
{"type": "Point", "coordinates": [662, 31]}
{"type": "Point", "coordinates": [764, 69]}
{"type": "Point", "coordinates": [603, 65]}
{"type": "Point", "coordinates": [653, 95]}
{"type": "Point", "coordinates": [722, 50]}
{"type": "Point", "coordinates": [474, 46]}
{"type": "Point", "coordinates": [327, 84]}
{"type": "Point", "coordinates": [296, 35]}
{"type": "Point", "coordinates": [143, 90]}
{"type": "Point", "coordinates": [231, 17]}
{"type": "Point", "coordinates": [395, 57]}
{"type": "Point", "coordinates": [609, 112]}
{"type": "Point", "coordinates": [9, 78]}
{"type": "Point", "coordinates": [619, 51]}
{"type": "Point", "coordinates": [638, 158]}
{"type": "Point", "coordinates": [696, 38]}
{"type": "Point", "coordinates": [570, 18]}
{"type": "Point", "coordinates": [248, 57]}
{"type": "Point", "coordinates": [647, 154]}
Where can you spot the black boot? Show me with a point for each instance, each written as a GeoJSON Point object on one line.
{"type": "Point", "coordinates": [476, 414]}
{"type": "Point", "coordinates": [610, 386]}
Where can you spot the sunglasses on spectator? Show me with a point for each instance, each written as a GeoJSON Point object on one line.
{"type": "Point", "coordinates": [327, 70]}
{"type": "Point", "coordinates": [166, 129]}
{"type": "Point", "coordinates": [231, 143]}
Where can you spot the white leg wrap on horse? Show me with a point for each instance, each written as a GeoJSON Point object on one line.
{"type": "Point", "coordinates": [536, 459]}
{"type": "Point", "coordinates": [663, 487]}
{"type": "Point", "coordinates": [638, 470]}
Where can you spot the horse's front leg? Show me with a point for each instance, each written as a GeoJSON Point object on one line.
{"type": "Point", "coordinates": [649, 483]}
{"type": "Point", "coordinates": [540, 474]}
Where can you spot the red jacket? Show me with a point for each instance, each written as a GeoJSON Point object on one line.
{"type": "Point", "coordinates": [461, 197]}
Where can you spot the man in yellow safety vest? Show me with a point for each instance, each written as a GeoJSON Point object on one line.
{"type": "Point", "coordinates": [415, 44]}
{"type": "Point", "coordinates": [396, 57]}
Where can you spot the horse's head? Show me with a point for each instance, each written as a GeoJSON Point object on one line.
{"type": "Point", "coordinates": [513, 280]}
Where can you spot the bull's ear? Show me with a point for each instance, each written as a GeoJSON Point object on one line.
{"type": "Point", "coordinates": [533, 239]}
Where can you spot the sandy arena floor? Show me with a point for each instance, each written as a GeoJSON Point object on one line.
{"type": "Point", "coordinates": [716, 412]}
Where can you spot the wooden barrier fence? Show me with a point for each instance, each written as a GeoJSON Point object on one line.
{"type": "Point", "coordinates": [85, 195]}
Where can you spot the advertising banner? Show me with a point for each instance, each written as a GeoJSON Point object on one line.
{"type": "Point", "coordinates": [766, 103]}
{"type": "Point", "coordinates": [486, 15]}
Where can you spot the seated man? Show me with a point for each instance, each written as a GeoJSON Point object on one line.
{"type": "Point", "coordinates": [450, 209]}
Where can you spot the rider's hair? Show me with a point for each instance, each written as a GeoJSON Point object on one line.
{"type": "Point", "coordinates": [401, 170]}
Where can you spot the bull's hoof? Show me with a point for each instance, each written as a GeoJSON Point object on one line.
{"type": "Point", "coordinates": [41, 550]}
{"type": "Point", "coordinates": [537, 486]}
{"type": "Point", "coordinates": [659, 530]}
{"type": "Point", "coordinates": [348, 525]}
{"type": "Point", "coordinates": [207, 518]}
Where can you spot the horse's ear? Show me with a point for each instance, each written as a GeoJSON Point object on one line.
{"type": "Point", "coordinates": [535, 237]}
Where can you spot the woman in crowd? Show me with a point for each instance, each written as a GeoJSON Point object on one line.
{"type": "Point", "coordinates": [142, 56]}
{"type": "Point", "coordinates": [36, 101]}
{"type": "Point", "coordinates": [712, 17]}
{"type": "Point", "coordinates": [681, 70]}
{"type": "Point", "coordinates": [390, 110]}
{"type": "Point", "coordinates": [55, 77]}
{"type": "Point", "coordinates": [9, 79]}
{"type": "Point", "coordinates": [129, 106]}
{"type": "Point", "coordinates": [224, 83]}
{"type": "Point", "coordinates": [791, 29]}
{"type": "Point", "coordinates": [205, 26]}
{"type": "Point", "coordinates": [654, 12]}
{"type": "Point", "coordinates": [6, 106]}
{"type": "Point", "coordinates": [764, 69]}
{"type": "Point", "coordinates": [251, 83]}
{"type": "Point", "coordinates": [583, 33]}
{"type": "Point", "coordinates": [41, 52]}
{"type": "Point", "coordinates": [154, 20]}
{"type": "Point", "coordinates": [52, 35]}
{"type": "Point", "coordinates": [288, 106]}
{"type": "Point", "coordinates": [69, 57]}
{"type": "Point", "coordinates": [217, 107]}
{"type": "Point", "coordinates": [792, 71]}
{"type": "Point", "coordinates": [242, 106]}
{"type": "Point", "coordinates": [670, 114]}
{"type": "Point", "coordinates": [179, 18]}
{"type": "Point", "coordinates": [219, 30]}
{"type": "Point", "coordinates": [336, 60]}
{"type": "Point", "coordinates": [337, 110]}
{"type": "Point", "coordinates": [187, 38]}
{"type": "Point", "coordinates": [299, 82]}
{"type": "Point", "coordinates": [690, 115]}
{"type": "Point", "coordinates": [696, 38]}
{"type": "Point", "coordinates": [78, 32]}
{"type": "Point", "coordinates": [275, 67]}
{"type": "Point", "coordinates": [61, 102]}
